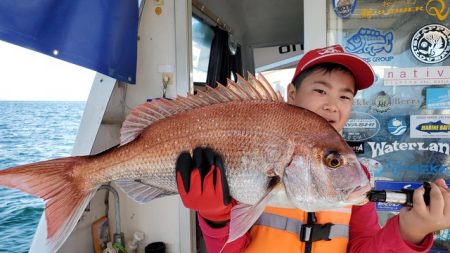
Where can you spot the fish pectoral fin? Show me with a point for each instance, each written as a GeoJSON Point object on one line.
{"type": "Point", "coordinates": [141, 192]}
{"type": "Point", "coordinates": [243, 216]}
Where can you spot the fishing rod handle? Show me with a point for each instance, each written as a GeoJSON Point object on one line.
{"type": "Point", "coordinates": [403, 197]}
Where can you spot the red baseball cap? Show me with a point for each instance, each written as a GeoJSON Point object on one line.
{"type": "Point", "coordinates": [361, 70]}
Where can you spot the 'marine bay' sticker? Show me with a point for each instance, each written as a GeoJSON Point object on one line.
{"type": "Point", "coordinates": [434, 127]}
{"type": "Point", "coordinates": [430, 44]}
{"type": "Point", "coordinates": [397, 126]}
{"type": "Point", "coordinates": [344, 8]}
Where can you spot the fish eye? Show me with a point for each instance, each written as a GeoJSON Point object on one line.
{"type": "Point", "coordinates": [333, 160]}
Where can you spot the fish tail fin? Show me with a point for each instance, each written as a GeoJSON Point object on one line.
{"type": "Point", "coordinates": [53, 181]}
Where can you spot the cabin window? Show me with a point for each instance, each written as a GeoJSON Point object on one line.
{"type": "Point", "coordinates": [202, 36]}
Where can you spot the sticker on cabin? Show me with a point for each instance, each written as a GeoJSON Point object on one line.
{"type": "Point", "coordinates": [357, 146]}
{"type": "Point", "coordinates": [360, 126]}
{"type": "Point", "coordinates": [383, 148]}
{"type": "Point", "coordinates": [430, 126]}
{"type": "Point", "coordinates": [381, 102]}
{"type": "Point", "coordinates": [438, 9]}
{"type": "Point", "coordinates": [370, 41]}
{"type": "Point", "coordinates": [344, 8]}
{"type": "Point", "coordinates": [430, 44]}
{"type": "Point", "coordinates": [430, 168]}
{"type": "Point", "coordinates": [439, 75]}
{"type": "Point", "coordinates": [438, 98]}
{"type": "Point", "coordinates": [390, 8]}
{"type": "Point", "coordinates": [397, 126]}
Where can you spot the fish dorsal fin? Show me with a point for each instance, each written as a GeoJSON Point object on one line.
{"type": "Point", "coordinates": [147, 113]}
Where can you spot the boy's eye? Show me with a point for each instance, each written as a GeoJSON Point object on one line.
{"type": "Point", "coordinates": [319, 91]}
{"type": "Point", "coordinates": [346, 97]}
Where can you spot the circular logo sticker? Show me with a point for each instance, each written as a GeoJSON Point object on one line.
{"type": "Point", "coordinates": [381, 103]}
{"type": "Point", "coordinates": [430, 44]}
{"type": "Point", "coordinates": [344, 8]}
{"type": "Point", "coordinates": [397, 126]}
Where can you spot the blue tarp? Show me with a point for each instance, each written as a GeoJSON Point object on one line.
{"type": "Point", "coordinates": [97, 34]}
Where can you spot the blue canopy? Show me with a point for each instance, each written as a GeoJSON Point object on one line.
{"type": "Point", "coordinates": [97, 34]}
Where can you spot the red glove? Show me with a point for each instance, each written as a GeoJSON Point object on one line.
{"type": "Point", "coordinates": [202, 184]}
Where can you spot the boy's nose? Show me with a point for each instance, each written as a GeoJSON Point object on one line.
{"type": "Point", "coordinates": [329, 107]}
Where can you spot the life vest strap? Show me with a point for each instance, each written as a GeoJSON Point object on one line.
{"type": "Point", "coordinates": [314, 232]}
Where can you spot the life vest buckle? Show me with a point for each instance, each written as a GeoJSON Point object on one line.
{"type": "Point", "coordinates": [315, 232]}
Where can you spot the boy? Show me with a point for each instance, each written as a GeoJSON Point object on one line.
{"type": "Point", "coordinates": [325, 82]}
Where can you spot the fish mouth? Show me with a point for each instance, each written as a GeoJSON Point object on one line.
{"type": "Point", "coordinates": [359, 195]}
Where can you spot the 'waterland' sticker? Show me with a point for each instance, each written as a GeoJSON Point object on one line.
{"type": "Point", "coordinates": [384, 148]}
{"type": "Point", "coordinates": [430, 44]}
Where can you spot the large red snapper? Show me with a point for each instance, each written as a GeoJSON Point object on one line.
{"type": "Point", "coordinates": [274, 153]}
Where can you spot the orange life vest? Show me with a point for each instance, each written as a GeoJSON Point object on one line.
{"type": "Point", "coordinates": [280, 229]}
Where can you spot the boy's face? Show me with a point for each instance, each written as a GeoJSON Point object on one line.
{"type": "Point", "coordinates": [328, 94]}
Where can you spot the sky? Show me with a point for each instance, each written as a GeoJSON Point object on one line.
{"type": "Point", "coordinates": [26, 75]}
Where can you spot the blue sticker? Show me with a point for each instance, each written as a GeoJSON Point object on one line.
{"type": "Point", "coordinates": [438, 98]}
{"type": "Point", "coordinates": [370, 41]}
{"type": "Point", "coordinates": [397, 126]}
{"type": "Point", "coordinates": [344, 8]}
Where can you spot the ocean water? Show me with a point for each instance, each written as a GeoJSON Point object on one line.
{"type": "Point", "coordinates": [31, 132]}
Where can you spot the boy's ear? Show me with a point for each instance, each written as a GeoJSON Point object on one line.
{"type": "Point", "coordinates": [291, 93]}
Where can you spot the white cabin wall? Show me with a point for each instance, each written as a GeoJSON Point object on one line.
{"type": "Point", "coordinates": [315, 24]}
{"type": "Point", "coordinates": [156, 47]}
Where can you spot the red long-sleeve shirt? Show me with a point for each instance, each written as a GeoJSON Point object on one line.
{"type": "Point", "coordinates": [365, 235]}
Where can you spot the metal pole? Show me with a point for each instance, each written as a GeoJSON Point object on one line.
{"type": "Point", "coordinates": [118, 235]}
